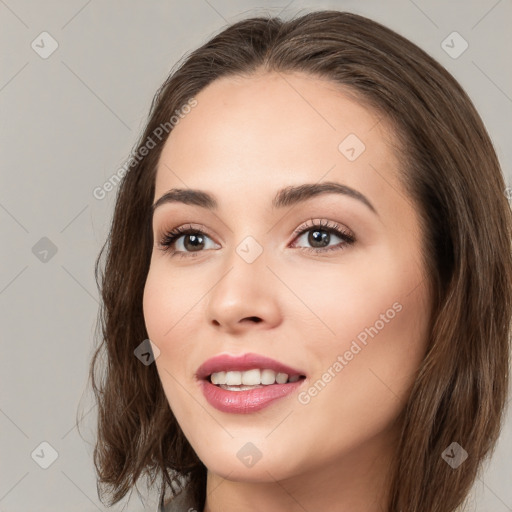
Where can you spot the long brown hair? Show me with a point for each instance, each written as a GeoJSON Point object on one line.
{"type": "Point", "coordinates": [452, 175]}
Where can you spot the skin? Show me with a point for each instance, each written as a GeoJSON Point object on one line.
{"type": "Point", "coordinates": [246, 139]}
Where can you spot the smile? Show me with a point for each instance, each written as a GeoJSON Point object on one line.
{"type": "Point", "coordinates": [251, 378]}
{"type": "Point", "coordinates": [246, 383]}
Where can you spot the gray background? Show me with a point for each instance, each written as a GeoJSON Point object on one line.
{"type": "Point", "coordinates": [68, 122]}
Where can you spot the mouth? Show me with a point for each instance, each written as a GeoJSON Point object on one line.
{"type": "Point", "coordinates": [247, 370]}
{"type": "Point", "coordinates": [246, 383]}
{"type": "Point", "coordinates": [251, 379]}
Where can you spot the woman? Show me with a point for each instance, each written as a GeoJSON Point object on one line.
{"type": "Point", "coordinates": [314, 235]}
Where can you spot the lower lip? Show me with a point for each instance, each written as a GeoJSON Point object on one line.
{"type": "Point", "coordinates": [244, 402]}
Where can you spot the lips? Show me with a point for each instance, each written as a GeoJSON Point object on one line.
{"type": "Point", "coordinates": [249, 361]}
{"type": "Point", "coordinates": [236, 399]}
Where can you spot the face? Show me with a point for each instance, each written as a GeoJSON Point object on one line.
{"type": "Point", "coordinates": [329, 283]}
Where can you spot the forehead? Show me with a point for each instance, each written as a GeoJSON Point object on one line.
{"type": "Point", "coordinates": [272, 130]}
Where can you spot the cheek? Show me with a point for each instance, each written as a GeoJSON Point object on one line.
{"type": "Point", "coordinates": [358, 388]}
{"type": "Point", "coordinates": [166, 302]}
{"type": "Point", "coordinates": [151, 305]}
{"type": "Point", "coordinates": [162, 310]}
{"type": "Point", "coordinates": [368, 368]}
{"type": "Point", "coordinates": [155, 309]}
{"type": "Point", "coordinates": [368, 288]}
{"type": "Point", "coordinates": [170, 316]}
{"type": "Point", "coordinates": [370, 329]}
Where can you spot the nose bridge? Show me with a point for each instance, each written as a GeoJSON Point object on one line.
{"type": "Point", "coordinates": [244, 290]}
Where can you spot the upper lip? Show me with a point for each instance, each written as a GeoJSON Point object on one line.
{"type": "Point", "coordinates": [226, 363]}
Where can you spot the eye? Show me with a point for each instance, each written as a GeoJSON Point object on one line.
{"type": "Point", "coordinates": [184, 241]}
{"type": "Point", "coordinates": [320, 236]}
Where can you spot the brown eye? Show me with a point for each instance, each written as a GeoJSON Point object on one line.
{"type": "Point", "coordinates": [183, 241]}
{"type": "Point", "coordinates": [319, 236]}
{"type": "Point", "coordinates": [193, 242]}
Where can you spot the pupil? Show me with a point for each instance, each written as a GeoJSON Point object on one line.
{"type": "Point", "coordinates": [319, 237]}
{"type": "Point", "coordinates": [195, 240]}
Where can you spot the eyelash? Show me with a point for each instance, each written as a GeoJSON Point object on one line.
{"type": "Point", "coordinates": [169, 238]}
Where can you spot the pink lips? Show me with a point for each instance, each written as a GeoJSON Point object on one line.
{"type": "Point", "coordinates": [247, 401]}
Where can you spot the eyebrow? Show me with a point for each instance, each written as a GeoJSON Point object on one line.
{"type": "Point", "coordinates": [287, 196]}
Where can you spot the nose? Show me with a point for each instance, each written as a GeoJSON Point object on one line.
{"type": "Point", "coordinates": [245, 297]}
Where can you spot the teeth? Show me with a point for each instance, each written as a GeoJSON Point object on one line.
{"type": "Point", "coordinates": [233, 378]}
{"type": "Point", "coordinates": [238, 388]}
{"type": "Point", "coordinates": [281, 378]}
{"type": "Point", "coordinates": [218, 378]}
{"type": "Point", "coordinates": [268, 377]}
{"type": "Point", "coordinates": [253, 377]}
